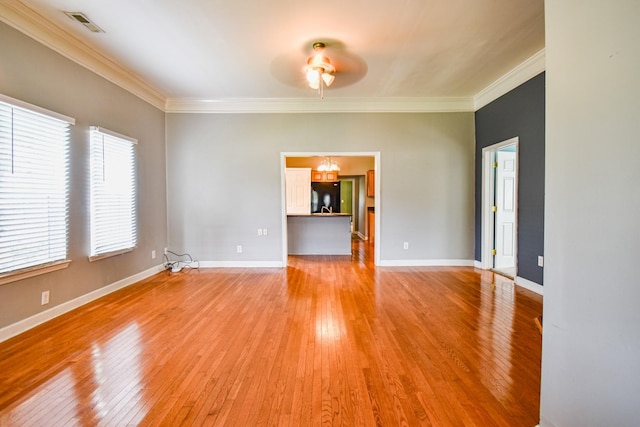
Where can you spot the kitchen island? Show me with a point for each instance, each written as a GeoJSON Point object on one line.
{"type": "Point", "coordinates": [319, 234]}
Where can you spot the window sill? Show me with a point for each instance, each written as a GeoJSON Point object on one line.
{"type": "Point", "coordinates": [14, 276]}
{"type": "Point", "coordinates": [109, 254]}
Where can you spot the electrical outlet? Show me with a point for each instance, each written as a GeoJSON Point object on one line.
{"type": "Point", "coordinates": [165, 251]}
{"type": "Point", "coordinates": [264, 232]}
{"type": "Point", "coordinates": [406, 245]}
{"type": "Point", "coordinates": [259, 231]}
{"type": "Point", "coordinates": [540, 261]}
{"type": "Point", "coordinates": [239, 249]}
{"type": "Point", "coordinates": [153, 254]}
{"type": "Point", "coordinates": [44, 298]}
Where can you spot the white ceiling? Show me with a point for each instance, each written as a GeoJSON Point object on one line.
{"type": "Point", "coordinates": [252, 51]}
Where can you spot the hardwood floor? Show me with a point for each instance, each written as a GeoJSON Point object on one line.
{"type": "Point", "coordinates": [326, 341]}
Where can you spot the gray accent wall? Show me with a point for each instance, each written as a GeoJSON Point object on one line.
{"type": "Point", "coordinates": [35, 74]}
{"type": "Point", "coordinates": [224, 180]}
{"type": "Point", "coordinates": [591, 340]}
{"type": "Point", "coordinates": [519, 113]}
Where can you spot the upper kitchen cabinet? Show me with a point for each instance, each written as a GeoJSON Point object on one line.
{"type": "Point", "coordinates": [371, 183]}
{"type": "Point", "coordinates": [324, 176]}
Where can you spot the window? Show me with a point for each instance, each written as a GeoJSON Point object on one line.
{"type": "Point", "coordinates": [113, 193]}
{"type": "Point", "coordinates": [34, 170]}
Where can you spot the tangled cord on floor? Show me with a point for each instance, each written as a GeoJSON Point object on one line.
{"type": "Point", "coordinates": [183, 261]}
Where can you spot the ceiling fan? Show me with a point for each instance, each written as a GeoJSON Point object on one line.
{"type": "Point", "coordinates": [321, 63]}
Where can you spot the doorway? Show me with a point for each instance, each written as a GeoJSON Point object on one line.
{"type": "Point", "coordinates": [346, 199]}
{"type": "Point", "coordinates": [346, 196]}
{"type": "Point", "coordinates": [500, 207]}
{"type": "Point", "coordinates": [356, 162]}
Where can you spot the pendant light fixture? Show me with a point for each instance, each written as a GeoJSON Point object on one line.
{"type": "Point", "coordinates": [328, 165]}
{"type": "Point", "coordinates": [319, 70]}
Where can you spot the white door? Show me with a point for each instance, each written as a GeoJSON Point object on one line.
{"type": "Point", "coordinates": [505, 219]}
{"type": "Point", "coordinates": [298, 190]}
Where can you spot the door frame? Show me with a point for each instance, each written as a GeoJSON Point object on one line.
{"type": "Point", "coordinates": [283, 195]}
{"type": "Point", "coordinates": [488, 196]}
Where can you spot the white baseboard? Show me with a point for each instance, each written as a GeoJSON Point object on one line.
{"type": "Point", "coordinates": [528, 284]}
{"type": "Point", "coordinates": [426, 263]}
{"type": "Point", "coordinates": [477, 264]}
{"type": "Point", "coordinates": [44, 316]}
{"type": "Point", "coordinates": [241, 264]}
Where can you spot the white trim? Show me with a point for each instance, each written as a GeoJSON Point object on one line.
{"type": "Point", "coordinates": [104, 131]}
{"type": "Point", "coordinates": [16, 103]}
{"type": "Point", "coordinates": [486, 236]}
{"type": "Point", "coordinates": [427, 263]}
{"type": "Point", "coordinates": [377, 200]}
{"type": "Point", "coordinates": [44, 316]}
{"type": "Point", "coordinates": [514, 78]}
{"type": "Point", "coordinates": [528, 284]}
{"type": "Point", "coordinates": [316, 105]}
{"type": "Point", "coordinates": [478, 264]}
{"type": "Point", "coordinates": [486, 244]}
{"type": "Point", "coordinates": [283, 202]}
{"type": "Point", "coordinates": [241, 264]}
{"type": "Point", "coordinates": [100, 256]}
{"type": "Point", "coordinates": [29, 22]}
{"type": "Point", "coordinates": [37, 270]}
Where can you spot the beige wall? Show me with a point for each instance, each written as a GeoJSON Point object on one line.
{"type": "Point", "coordinates": [591, 340]}
{"type": "Point", "coordinates": [37, 75]}
{"type": "Point", "coordinates": [225, 180]}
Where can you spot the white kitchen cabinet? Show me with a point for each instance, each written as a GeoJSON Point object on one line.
{"type": "Point", "coordinates": [298, 190]}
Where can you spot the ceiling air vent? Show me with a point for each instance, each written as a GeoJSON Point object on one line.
{"type": "Point", "coordinates": [82, 18]}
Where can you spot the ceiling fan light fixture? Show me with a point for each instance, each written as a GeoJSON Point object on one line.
{"type": "Point", "coordinates": [313, 75]}
{"type": "Point", "coordinates": [315, 84]}
{"type": "Point", "coordinates": [328, 78]}
{"type": "Point", "coordinates": [319, 70]}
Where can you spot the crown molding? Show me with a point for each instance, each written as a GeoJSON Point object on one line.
{"type": "Point", "coordinates": [317, 105]}
{"type": "Point", "coordinates": [514, 78]}
{"type": "Point", "coordinates": [31, 23]}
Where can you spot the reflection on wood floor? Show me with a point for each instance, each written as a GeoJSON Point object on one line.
{"type": "Point", "coordinates": [509, 272]}
{"type": "Point", "coordinates": [329, 340]}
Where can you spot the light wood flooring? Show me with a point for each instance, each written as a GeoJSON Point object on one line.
{"type": "Point", "coordinates": [327, 341]}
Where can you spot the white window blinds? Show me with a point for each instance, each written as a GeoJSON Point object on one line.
{"type": "Point", "coordinates": [34, 168]}
{"type": "Point", "coordinates": [113, 193]}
